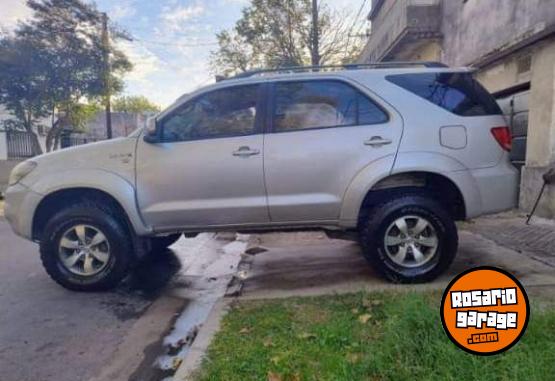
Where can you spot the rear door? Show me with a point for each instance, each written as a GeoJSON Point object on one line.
{"type": "Point", "coordinates": [323, 132]}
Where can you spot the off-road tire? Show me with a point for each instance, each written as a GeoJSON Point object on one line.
{"type": "Point", "coordinates": [376, 221]}
{"type": "Point", "coordinates": [114, 229]}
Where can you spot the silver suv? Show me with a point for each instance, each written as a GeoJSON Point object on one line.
{"type": "Point", "coordinates": [394, 153]}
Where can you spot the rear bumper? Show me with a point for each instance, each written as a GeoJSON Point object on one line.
{"type": "Point", "coordinates": [498, 187]}
{"type": "Point", "coordinates": [19, 209]}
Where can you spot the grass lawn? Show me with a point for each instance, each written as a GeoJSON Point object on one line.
{"type": "Point", "coordinates": [376, 336]}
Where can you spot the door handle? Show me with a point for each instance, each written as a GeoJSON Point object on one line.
{"type": "Point", "coordinates": [377, 141]}
{"type": "Point", "coordinates": [246, 152]}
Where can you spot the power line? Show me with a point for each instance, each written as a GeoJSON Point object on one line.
{"type": "Point", "coordinates": [355, 21]}
{"type": "Point", "coordinates": [164, 43]}
{"type": "Point", "coordinates": [360, 11]}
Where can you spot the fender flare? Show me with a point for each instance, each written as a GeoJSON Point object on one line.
{"type": "Point", "coordinates": [359, 187]}
{"type": "Point", "coordinates": [427, 162]}
{"type": "Point", "coordinates": [108, 182]}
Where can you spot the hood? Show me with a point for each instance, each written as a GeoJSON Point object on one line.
{"type": "Point", "coordinates": [116, 156]}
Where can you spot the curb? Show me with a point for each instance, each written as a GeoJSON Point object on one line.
{"type": "Point", "coordinates": [193, 360]}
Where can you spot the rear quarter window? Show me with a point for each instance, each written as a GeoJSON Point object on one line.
{"type": "Point", "coordinates": [458, 93]}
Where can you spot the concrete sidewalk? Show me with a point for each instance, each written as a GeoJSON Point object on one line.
{"type": "Point", "coordinates": [536, 240]}
{"type": "Point", "coordinates": [308, 264]}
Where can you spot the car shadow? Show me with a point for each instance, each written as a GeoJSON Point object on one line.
{"type": "Point", "coordinates": [152, 274]}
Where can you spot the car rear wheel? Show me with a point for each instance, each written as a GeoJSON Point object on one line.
{"type": "Point", "coordinates": [409, 239]}
{"type": "Point", "coordinates": [86, 248]}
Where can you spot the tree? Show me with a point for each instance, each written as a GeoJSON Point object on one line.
{"type": "Point", "coordinates": [281, 33]}
{"type": "Point", "coordinates": [23, 86]}
{"type": "Point", "coordinates": [61, 63]}
{"type": "Point", "coordinates": [135, 104]}
{"type": "Point", "coordinates": [72, 117]}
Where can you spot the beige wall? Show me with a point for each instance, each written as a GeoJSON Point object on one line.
{"type": "Point", "coordinates": [427, 51]}
{"type": "Point", "coordinates": [503, 75]}
{"type": "Point", "coordinates": [474, 28]}
{"type": "Point", "coordinates": [541, 125]}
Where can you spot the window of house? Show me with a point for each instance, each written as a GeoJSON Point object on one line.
{"type": "Point", "coordinates": [221, 113]}
{"type": "Point", "coordinates": [458, 93]}
{"type": "Point", "coordinates": [322, 104]}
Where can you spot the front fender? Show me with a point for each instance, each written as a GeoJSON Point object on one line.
{"type": "Point", "coordinates": [116, 186]}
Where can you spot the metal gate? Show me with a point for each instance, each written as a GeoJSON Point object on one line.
{"type": "Point", "coordinates": [515, 108]}
{"type": "Point", "coordinates": [20, 145]}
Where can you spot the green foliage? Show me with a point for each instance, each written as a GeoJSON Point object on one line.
{"type": "Point", "coordinates": [78, 114]}
{"type": "Point", "coordinates": [134, 104]}
{"type": "Point", "coordinates": [277, 33]}
{"type": "Point", "coordinates": [24, 88]}
{"type": "Point", "coordinates": [55, 60]}
{"type": "Point", "coordinates": [364, 336]}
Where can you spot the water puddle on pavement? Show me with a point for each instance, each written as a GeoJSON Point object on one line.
{"type": "Point", "coordinates": [209, 263]}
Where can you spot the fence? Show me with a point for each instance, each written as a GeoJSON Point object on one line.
{"type": "Point", "coordinates": [71, 141]}
{"type": "Point", "coordinates": [20, 145]}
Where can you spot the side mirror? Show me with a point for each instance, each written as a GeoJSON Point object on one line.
{"type": "Point", "coordinates": [151, 132]}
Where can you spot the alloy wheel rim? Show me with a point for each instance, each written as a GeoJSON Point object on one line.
{"type": "Point", "coordinates": [411, 241]}
{"type": "Point", "coordinates": [84, 250]}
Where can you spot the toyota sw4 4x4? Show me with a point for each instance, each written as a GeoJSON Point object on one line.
{"type": "Point", "coordinates": [393, 152]}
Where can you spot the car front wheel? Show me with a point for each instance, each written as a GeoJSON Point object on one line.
{"type": "Point", "coordinates": [85, 247]}
{"type": "Point", "coordinates": [409, 239]}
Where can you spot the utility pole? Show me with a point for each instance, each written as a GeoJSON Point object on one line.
{"type": "Point", "coordinates": [315, 35]}
{"type": "Point", "coordinates": [106, 58]}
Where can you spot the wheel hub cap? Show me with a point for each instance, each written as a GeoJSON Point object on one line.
{"type": "Point", "coordinates": [84, 250]}
{"type": "Point", "coordinates": [411, 241]}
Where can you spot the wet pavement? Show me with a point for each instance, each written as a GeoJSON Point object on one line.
{"type": "Point", "coordinates": [312, 264]}
{"type": "Point", "coordinates": [144, 329]}
{"type": "Point", "coordinates": [49, 333]}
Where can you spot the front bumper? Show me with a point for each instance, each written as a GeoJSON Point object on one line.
{"type": "Point", "coordinates": [19, 209]}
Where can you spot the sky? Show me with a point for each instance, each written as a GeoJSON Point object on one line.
{"type": "Point", "coordinates": [172, 39]}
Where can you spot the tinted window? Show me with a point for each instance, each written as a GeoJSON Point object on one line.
{"type": "Point", "coordinates": [322, 104]}
{"type": "Point", "coordinates": [221, 113]}
{"type": "Point", "coordinates": [455, 92]}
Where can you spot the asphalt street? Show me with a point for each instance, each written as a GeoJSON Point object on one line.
{"type": "Point", "coordinates": [49, 333]}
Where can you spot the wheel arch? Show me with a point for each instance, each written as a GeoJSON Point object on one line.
{"type": "Point", "coordinates": [54, 201]}
{"type": "Point", "coordinates": [440, 186]}
{"type": "Point", "coordinates": [410, 164]}
{"type": "Point", "coordinates": [106, 186]}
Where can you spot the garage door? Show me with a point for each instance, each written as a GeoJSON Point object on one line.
{"type": "Point", "coordinates": [515, 108]}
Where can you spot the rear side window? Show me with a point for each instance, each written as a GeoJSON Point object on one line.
{"type": "Point", "coordinates": [322, 104]}
{"type": "Point", "coordinates": [455, 92]}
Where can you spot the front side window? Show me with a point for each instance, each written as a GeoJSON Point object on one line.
{"type": "Point", "coordinates": [221, 113]}
{"type": "Point", "coordinates": [322, 104]}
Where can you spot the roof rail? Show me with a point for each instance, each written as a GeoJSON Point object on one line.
{"type": "Point", "coordinates": [373, 65]}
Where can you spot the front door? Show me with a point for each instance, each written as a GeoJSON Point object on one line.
{"type": "Point", "coordinates": [324, 132]}
{"type": "Point", "coordinates": [208, 168]}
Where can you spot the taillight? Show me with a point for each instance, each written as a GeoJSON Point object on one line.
{"type": "Point", "coordinates": [503, 137]}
